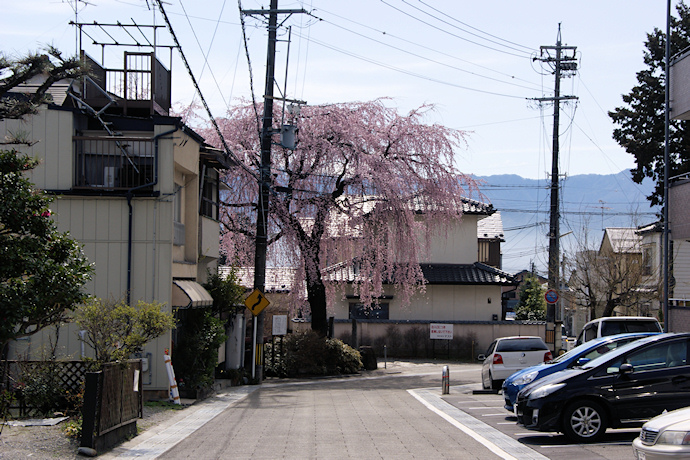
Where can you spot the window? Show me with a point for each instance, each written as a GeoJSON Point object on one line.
{"type": "Point", "coordinates": [359, 311]}
{"type": "Point", "coordinates": [209, 194]}
{"type": "Point", "coordinates": [647, 260]}
{"type": "Point", "coordinates": [660, 356]}
{"type": "Point", "coordinates": [528, 344]}
{"type": "Point", "coordinates": [590, 332]}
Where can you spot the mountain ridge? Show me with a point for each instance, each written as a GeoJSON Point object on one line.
{"type": "Point", "coordinates": [588, 204]}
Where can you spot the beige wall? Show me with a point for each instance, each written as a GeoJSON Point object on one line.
{"type": "Point", "coordinates": [460, 246]}
{"type": "Point", "coordinates": [438, 303]}
{"type": "Point", "coordinates": [101, 225]}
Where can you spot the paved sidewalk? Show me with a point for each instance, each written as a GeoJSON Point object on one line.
{"type": "Point", "coordinates": [386, 413]}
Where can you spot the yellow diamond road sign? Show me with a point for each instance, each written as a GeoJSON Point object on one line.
{"type": "Point", "coordinates": [256, 302]}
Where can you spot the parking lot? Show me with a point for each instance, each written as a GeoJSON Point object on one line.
{"type": "Point", "coordinates": [499, 427]}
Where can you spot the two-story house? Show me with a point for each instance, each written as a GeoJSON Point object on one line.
{"type": "Point", "coordinates": [137, 187]}
{"type": "Point", "coordinates": [463, 286]}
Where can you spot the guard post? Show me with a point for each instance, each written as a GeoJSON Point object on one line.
{"type": "Point", "coordinates": [445, 381]}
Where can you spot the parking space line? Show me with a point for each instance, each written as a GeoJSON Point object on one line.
{"type": "Point", "coordinates": [499, 443]}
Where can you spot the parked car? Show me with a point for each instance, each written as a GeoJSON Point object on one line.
{"type": "Point", "coordinates": [665, 436]}
{"type": "Point", "coordinates": [507, 355]}
{"type": "Point", "coordinates": [611, 325]}
{"type": "Point", "coordinates": [623, 388]}
{"type": "Point", "coordinates": [576, 357]}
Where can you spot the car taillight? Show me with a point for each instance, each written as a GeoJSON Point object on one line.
{"type": "Point", "coordinates": [498, 359]}
{"type": "Point", "coordinates": [548, 356]}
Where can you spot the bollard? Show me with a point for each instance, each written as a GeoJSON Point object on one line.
{"type": "Point", "coordinates": [385, 357]}
{"type": "Point", "coordinates": [445, 381]}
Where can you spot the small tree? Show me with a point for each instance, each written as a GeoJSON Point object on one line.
{"type": "Point", "coordinates": [42, 271]}
{"type": "Point", "coordinates": [532, 305]}
{"type": "Point", "coordinates": [116, 330]}
{"type": "Point", "coordinates": [16, 71]}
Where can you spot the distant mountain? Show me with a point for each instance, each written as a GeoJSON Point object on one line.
{"type": "Point", "coordinates": [589, 203]}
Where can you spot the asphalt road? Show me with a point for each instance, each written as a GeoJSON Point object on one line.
{"type": "Point", "coordinates": [397, 412]}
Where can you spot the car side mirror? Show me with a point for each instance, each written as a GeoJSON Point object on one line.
{"type": "Point", "coordinates": [626, 368]}
{"type": "Point", "coordinates": [481, 357]}
{"type": "Point", "coordinates": [582, 361]}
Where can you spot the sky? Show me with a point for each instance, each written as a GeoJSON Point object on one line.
{"type": "Point", "coordinates": [472, 62]}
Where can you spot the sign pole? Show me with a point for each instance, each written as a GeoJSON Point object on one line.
{"type": "Point", "coordinates": [256, 302]}
{"type": "Point", "coordinates": [254, 349]}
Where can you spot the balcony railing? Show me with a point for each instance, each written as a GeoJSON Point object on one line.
{"type": "Point", "coordinates": [113, 163]}
{"type": "Point", "coordinates": [142, 83]}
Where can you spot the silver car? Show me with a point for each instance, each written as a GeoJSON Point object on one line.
{"type": "Point", "coordinates": [665, 436]}
{"type": "Point", "coordinates": [507, 355]}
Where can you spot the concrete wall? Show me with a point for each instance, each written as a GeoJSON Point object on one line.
{"type": "Point", "coordinates": [484, 333]}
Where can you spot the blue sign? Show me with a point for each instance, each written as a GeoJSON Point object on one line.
{"type": "Point", "coordinates": [551, 296]}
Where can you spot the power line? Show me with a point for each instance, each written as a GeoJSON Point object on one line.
{"type": "Point", "coordinates": [471, 27]}
{"type": "Point", "coordinates": [450, 33]}
{"type": "Point", "coordinates": [403, 71]}
{"type": "Point", "coordinates": [410, 42]}
{"type": "Point", "coordinates": [427, 58]}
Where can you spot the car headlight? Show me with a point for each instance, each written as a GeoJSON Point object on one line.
{"type": "Point", "coordinates": [676, 438]}
{"type": "Point", "coordinates": [526, 378]}
{"type": "Point", "coordinates": [546, 390]}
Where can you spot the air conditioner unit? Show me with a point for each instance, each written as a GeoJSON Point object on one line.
{"type": "Point", "coordinates": [109, 173]}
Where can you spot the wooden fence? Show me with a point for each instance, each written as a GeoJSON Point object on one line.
{"type": "Point", "coordinates": [112, 403]}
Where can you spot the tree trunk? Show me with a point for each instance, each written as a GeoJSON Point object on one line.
{"type": "Point", "coordinates": [316, 295]}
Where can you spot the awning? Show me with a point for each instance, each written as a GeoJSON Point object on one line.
{"type": "Point", "coordinates": [190, 294]}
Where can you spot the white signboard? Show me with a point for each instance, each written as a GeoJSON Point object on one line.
{"type": "Point", "coordinates": [279, 324]}
{"type": "Point", "coordinates": [441, 331]}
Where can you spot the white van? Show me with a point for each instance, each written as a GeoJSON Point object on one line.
{"type": "Point", "coordinates": [611, 325]}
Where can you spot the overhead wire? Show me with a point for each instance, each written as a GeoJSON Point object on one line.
{"type": "Point", "coordinates": [471, 27]}
{"type": "Point", "coordinates": [450, 33]}
{"type": "Point", "coordinates": [443, 21]}
{"type": "Point", "coordinates": [424, 47]}
{"type": "Point", "coordinates": [206, 54]}
{"type": "Point", "coordinates": [425, 58]}
{"type": "Point", "coordinates": [404, 71]}
{"type": "Point", "coordinates": [228, 152]}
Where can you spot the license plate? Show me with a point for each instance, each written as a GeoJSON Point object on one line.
{"type": "Point", "coordinates": [640, 455]}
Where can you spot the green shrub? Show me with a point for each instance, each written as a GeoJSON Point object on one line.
{"type": "Point", "coordinates": [306, 353]}
{"type": "Point", "coordinates": [195, 356]}
{"type": "Point", "coordinates": [41, 388]}
{"type": "Point", "coordinates": [73, 428]}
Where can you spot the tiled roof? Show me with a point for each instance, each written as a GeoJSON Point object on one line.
{"type": "Point", "coordinates": [451, 274]}
{"type": "Point", "coordinates": [476, 273]}
{"type": "Point", "coordinates": [469, 206]}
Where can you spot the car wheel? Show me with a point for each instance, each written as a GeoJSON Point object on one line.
{"type": "Point", "coordinates": [496, 384]}
{"type": "Point", "coordinates": [484, 385]}
{"type": "Point", "coordinates": [584, 421]}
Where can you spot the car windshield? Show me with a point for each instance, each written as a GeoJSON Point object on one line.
{"type": "Point", "coordinates": [521, 344]}
{"type": "Point", "coordinates": [617, 352]}
{"type": "Point", "coordinates": [609, 342]}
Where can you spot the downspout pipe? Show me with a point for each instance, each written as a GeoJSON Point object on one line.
{"type": "Point", "coordinates": [130, 195]}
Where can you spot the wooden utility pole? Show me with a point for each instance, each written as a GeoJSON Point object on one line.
{"type": "Point", "coordinates": [555, 58]}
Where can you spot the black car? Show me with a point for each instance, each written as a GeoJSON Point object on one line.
{"type": "Point", "coordinates": [622, 388]}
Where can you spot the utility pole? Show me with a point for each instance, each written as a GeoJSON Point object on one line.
{"type": "Point", "coordinates": [265, 179]}
{"type": "Point", "coordinates": [561, 59]}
